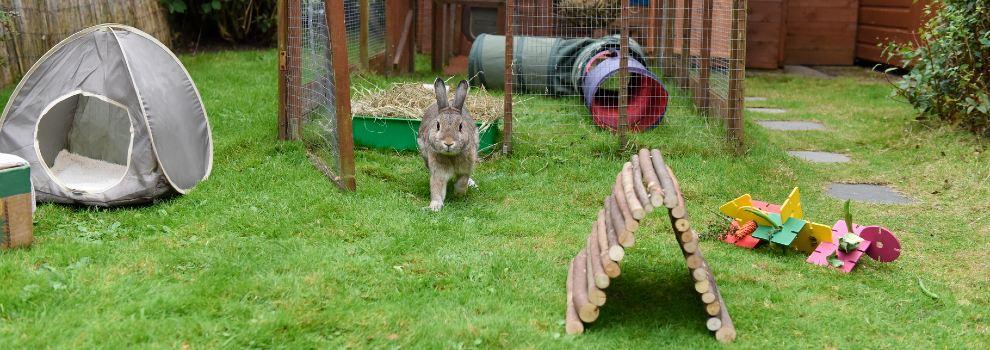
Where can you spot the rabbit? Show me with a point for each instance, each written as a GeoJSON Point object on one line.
{"type": "Point", "coordinates": [448, 142]}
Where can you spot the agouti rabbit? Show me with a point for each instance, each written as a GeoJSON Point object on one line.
{"type": "Point", "coordinates": [448, 141]}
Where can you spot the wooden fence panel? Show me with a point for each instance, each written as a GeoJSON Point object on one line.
{"type": "Point", "coordinates": [36, 26]}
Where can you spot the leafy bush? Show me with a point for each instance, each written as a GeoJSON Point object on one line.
{"type": "Point", "coordinates": [950, 70]}
{"type": "Point", "coordinates": [236, 21]}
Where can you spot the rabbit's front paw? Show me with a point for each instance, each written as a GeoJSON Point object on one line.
{"type": "Point", "coordinates": [436, 205]}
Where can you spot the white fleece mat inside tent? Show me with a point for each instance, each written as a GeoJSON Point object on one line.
{"type": "Point", "coordinates": [87, 174]}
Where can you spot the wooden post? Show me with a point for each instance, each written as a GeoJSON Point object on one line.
{"type": "Point", "coordinates": [510, 8]}
{"type": "Point", "coordinates": [399, 36]}
{"type": "Point", "coordinates": [445, 37]}
{"type": "Point", "coordinates": [669, 10]}
{"type": "Point", "coordinates": [702, 93]}
{"type": "Point", "coordinates": [402, 60]}
{"type": "Point", "coordinates": [342, 90]}
{"type": "Point", "coordinates": [436, 47]}
{"type": "Point", "coordinates": [294, 67]}
{"type": "Point", "coordinates": [364, 10]}
{"type": "Point", "coordinates": [685, 71]}
{"type": "Point", "coordinates": [737, 72]}
{"type": "Point", "coordinates": [652, 38]}
{"type": "Point", "coordinates": [623, 75]}
{"type": "Point", "coordinates": [282, 115]}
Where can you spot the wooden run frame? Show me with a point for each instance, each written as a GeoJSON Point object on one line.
{"type": "Point", "coordinates": [673, 61]}
{"type": "Point", "coordinates": [397, 58]}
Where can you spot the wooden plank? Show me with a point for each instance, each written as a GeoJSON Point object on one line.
{"type": "Point", "coordinates": [342, 91]}
{"type": "Point", "coordinates": [820, 32]}
{"type": "Point", "coordinates": [820, 41]}
{"type": "Point", "coordinates": [873, 35]}
{"type": "Point", "coordinates": [763, 32]}
{"type": "Point", "coordinates": [887, 3]}
{"type": "Point", "coordinates": [887, 17]}
{"type": "Point", "coordinates": [842, 57]}
{"type": "Point", "coordinates": [404, 52]}
{"type": "Point", "coordinates": [797, 15]}
{"type": "Point", "coordinates": [824, 4]}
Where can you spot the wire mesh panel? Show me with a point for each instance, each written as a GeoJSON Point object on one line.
{"type": "Point", "coordinates": [365, 21]}
{"type": "Point", "coordinates": [315, 85]}
{"type": "Point", "coordinates": [627, 66]}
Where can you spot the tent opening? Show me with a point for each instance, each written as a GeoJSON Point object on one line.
{"type": "Point", "coordinates": [84, 141]}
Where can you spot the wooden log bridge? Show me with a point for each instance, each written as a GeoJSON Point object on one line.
{"type": "Point", "coordinates": [644, 184]}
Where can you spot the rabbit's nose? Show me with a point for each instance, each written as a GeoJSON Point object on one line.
{"type": "Point", "coordinates": [449, 144]}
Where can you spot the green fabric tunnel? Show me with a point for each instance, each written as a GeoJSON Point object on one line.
{"type": "Point", "coordinates": [541, 65]}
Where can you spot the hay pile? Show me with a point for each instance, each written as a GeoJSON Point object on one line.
{"type": "Point", "coordinates": [588, 13]}
{"type": "Point", "coordinates": [409, 100]}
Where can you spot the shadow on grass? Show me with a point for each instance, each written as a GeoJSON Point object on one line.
{"type": "Point", "coordinates": [648, 300]}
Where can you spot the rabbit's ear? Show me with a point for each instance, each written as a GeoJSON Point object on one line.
{"type": "Point", "coordinates": [462, 90]}
{"type": "Point", "coordinates": [440, 88]}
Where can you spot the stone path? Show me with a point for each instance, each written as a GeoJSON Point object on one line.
{"type": "Point", "coordinates": [868, 193]}
{"type": "Point", "coordinates": [857, 192]}
{"type": "Point", "coordinates": [766, 110]}
{"type": "Point", "coordinates": [820, 157]}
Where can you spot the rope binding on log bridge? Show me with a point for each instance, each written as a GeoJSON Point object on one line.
{"type": "Point", "coordinates": [644, 184]}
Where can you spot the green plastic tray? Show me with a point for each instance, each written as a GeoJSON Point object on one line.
{"type": "Point", "coordinates": [400, 134]}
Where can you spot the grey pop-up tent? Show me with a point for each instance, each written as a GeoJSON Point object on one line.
{"type": "Point", "coordinates": [109, 116]}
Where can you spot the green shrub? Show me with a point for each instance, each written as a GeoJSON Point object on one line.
{"type": "Point", "coordinates": [950, 70]}
{"type": "Point", "coordinates": [251, 22]}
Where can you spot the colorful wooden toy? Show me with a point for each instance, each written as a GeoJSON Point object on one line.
{"type": "Point", "coordinates": [785, 225]}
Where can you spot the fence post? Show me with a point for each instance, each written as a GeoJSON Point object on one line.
{"type": "Point", "coordinates": [685, 71]}
{"type": "Point", "coordinates": [363, 29]}
{"type": "Point", "coordinates": [510, 8]}
{"type": "Point", "coordinates": [294, 69]}
{"type": "Point", "coordinates": [334, 10]}
{"type": "Point", "coordinates": [283, 120]}
{"type": "Point", "coordinates": [669, 64]}
{"type": "Point", "coordinates": [737, 72]}
{"type": "Point", "coordinates": [703, 92]}
{"type": "Point", "coordinates": [623, 75]}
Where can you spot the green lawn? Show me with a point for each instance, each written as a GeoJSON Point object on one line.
{"type": "Point", "coordinates": [268, 254]}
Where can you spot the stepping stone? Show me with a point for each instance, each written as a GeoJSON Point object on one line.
{"type": "Point", "coordinates": [756, 99]}
{"type": "Point", "coordinates": [790, 125]}
{"type": "Point", "coordinates": [820, 157]}
{"type": "Point", "coordinates": [766, 110]}
{"type": "Point", "coordinates": [867, 193]}
{"type": "Point", "coordinates": [806, 72]}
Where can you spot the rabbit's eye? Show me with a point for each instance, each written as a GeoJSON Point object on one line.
{"type": "Point", "coordinates": [461, 127]}
{"type": "Point", "coordinates": [438, 125]}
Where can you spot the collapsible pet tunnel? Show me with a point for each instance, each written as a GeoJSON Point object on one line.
{"type": "Point", "coordinates": [109, 116]}
{"type": "Point", "coordinates": [558, 67]}
{"type": "Point", "coordinates": [647, 101]}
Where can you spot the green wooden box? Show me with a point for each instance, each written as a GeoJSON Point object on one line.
{"type": "Point", "coordinates": [16, 203]}
{"type": "Point", "coordinates": [400, 134]}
